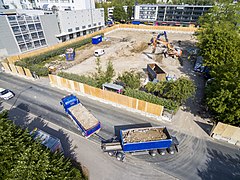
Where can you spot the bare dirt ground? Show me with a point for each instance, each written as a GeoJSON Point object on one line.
{"type": "Point", "coordinates": [128, 50]}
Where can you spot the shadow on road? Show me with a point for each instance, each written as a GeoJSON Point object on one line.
{"type": "Point", "coordinates": [206, 127]}
{"type": "Point", "coordinates": [217, 161]}
{"type": "Point", "coordinates": [19, 115]}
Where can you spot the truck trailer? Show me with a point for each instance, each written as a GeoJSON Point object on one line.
{"type": "Point", "coordinates": [84, 120]}
{"type": "Point", "coordinates": [150, 140]}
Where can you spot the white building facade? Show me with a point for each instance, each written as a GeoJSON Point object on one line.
{"type": "Point", "coordinates": [62, 5]}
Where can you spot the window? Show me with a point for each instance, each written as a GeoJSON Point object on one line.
{"type": "Point", "coordinates": [64, 38]}
{"type": "Point", "coordinates": [70, 30]}
{"type": "Point", "coordinates": [29, 45]}
{"type": "Point", "coordinates": [99, 23]}
{"type": "Point", "coordinates": [23, 47]}
{"type": "Point", "coordinates": [83, 27]}
{"type": "Point", "coordinates": [36, 43]}
{"type": "Point", "coordinates": [31, 27]}
{"type": "Point", "coordinates": [78, 34]}
{"type": "Point", "coordinates": [23, 28]}
{"type": "Point", "coordinates": [70, 36]}
{"type": "Point", "coordinates": [40, 34]}
{"type": "Point", "coordinates": [89, 25]}
{"type": "Point", "coordinates": [43, 42]}
{"type": "Point", "coordinates": [94, 24]}
{"type": "Point", "coordinates": [77, 28]}
{"type": "Point", "coordinates": [34, 36]}
{"type": "Point", "coordinates": [19, 39]}
{"type": "Point", "coordinates": [38, 26]}
{"type": "Point", "coordinates": [26, 37]}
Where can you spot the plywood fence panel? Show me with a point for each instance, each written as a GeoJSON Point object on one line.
{"type": "Point", "coordinates": [123, 100]}
{"type": "Point", "coordinates": [68, 84]}
{"type": "Point", "coordinates": [154, 109]}
{"type": "Point", "coordinates": [76, 86]}
{"type": "Point", "coordinates": [108, 95]}
{"type": "Point", "coordinates": [87, 89]}
{"type": "Point", "coordinates": [20, 70]}
{"type": "Point", "coordinates": [133, 103]}
{"type": "Point", "coordinates": [64, 82]}
{"type": "Point", "coordinates": [13, 68]}
{"type": "Point", "coordinates": [141, 105]}
{"type": "Point", "coordinates": [28, 72]}
{"type": "Point", "coordinates": [53, 79]}
{"type": "Point", "coordinates": [6, 66]}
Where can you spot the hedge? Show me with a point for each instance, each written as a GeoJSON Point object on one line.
{"type": "Point", "coordinates": [167, 103]}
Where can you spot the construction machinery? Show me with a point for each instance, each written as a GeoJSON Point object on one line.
{"type": "Point", "coordinates": [170, 49]}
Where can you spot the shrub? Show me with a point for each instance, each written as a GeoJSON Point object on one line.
{"type": "Point", "coordinates": [79, 78]}
{"type": "Point", "coordinates": [39, 70]}
{"type": "Point", "coordinates": [167, 103]}
{"type": "Point", "coordinates": [130, 80]}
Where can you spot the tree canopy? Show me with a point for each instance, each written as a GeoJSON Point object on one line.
{"type": "Point", "coordinates": [23, 158]}
{"type": "Point", "coordinates": [119, 13]}
{"type": "Point", "coordinates": [219, 41]}
{"type": "Point", "coordinates": [179, 90]}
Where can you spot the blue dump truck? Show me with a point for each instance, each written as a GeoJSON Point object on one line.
{"type": "Point", "coordinates": [47, 140]}
{"type": "Point", "coordinates": [151, 140]}
{"type": "Point", "coordinates": [84, 120]}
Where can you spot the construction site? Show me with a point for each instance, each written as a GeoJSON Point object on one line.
{"type": "Point", "coordinates": [130, 51]}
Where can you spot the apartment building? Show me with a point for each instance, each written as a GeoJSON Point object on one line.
{"type": "Point", "coordinates": [73, 24]}
{"type": "Point", "coordinates": [16, 4]}
{"type": "Point", "coordinates": [26, 30]}
{"type": "Point", "coordinates": [62, 5]}
{"type": "Point", "coordinates": [170, 14]}
{"type": "Point", "coordinates": [22, 33]}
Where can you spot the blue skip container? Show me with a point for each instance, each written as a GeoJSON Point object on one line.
{"type": "Point", "coordinates": [96, 39]}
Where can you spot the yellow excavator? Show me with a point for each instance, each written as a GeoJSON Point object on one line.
{"type": "Point", "coordinates": [170, 50]}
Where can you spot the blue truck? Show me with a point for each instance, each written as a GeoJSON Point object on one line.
{"type": "Point", "coordinates": [136, 141]}
{"type": "Point", "coordinates": [84, 120]}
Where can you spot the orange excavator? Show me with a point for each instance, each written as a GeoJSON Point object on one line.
{"type": "Point", "coordinates": [170, 49]}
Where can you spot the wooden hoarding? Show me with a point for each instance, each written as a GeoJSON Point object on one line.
{"type": "Point", "coordinates": [6, 66]}
{"type": "Point", "coordinates": [13, 68]}
{"type": "Point", "coordinates": [20, 70]}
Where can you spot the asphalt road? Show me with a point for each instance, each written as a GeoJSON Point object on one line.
{"type": "Point", "coordinates": [196, 159]}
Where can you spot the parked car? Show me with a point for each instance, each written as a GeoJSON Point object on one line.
{"type": "Point", "coordinates": [99, 52]}
{"type": "Point", "coordinates": [6, 94]}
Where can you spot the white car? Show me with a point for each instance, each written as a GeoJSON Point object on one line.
{"type": "Point", "coordinates": [99, 52]}
{"type": "Point", "coordinates": [6, 94]}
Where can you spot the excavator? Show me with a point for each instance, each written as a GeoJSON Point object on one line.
{"type": "Point", "coordinates": [170, 50]}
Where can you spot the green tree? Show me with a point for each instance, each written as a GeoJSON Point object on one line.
{"type": "Point", "coordinates": [23, 158]}
{"type": "Point", "coordinates": [129, 13]}
{"type": "Point", "coordinates": [219, 41]}
{"type": "Point", "coordinates": [101, 76]}
{"type": "Point", "coordinates": [179, 90]}
{"type": "Point", "coordinates": [119, 13]}
{"type": "Point", "coordinates": [130, 79]}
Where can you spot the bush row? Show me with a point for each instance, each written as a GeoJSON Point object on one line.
{"type": "Point", "coordinates": [167, 103]}
{"type": "Point", "coordinates": [79, 78]}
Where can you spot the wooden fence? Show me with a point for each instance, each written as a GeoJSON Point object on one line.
{"type": "Point", "coordinates": [107, 95]}
{"type": "Point", "coordinates": [13, 59]}
{"type": "Point", "coordinates": [17, 70]}
{"type": "Point", "coordinates": [228, 133]}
